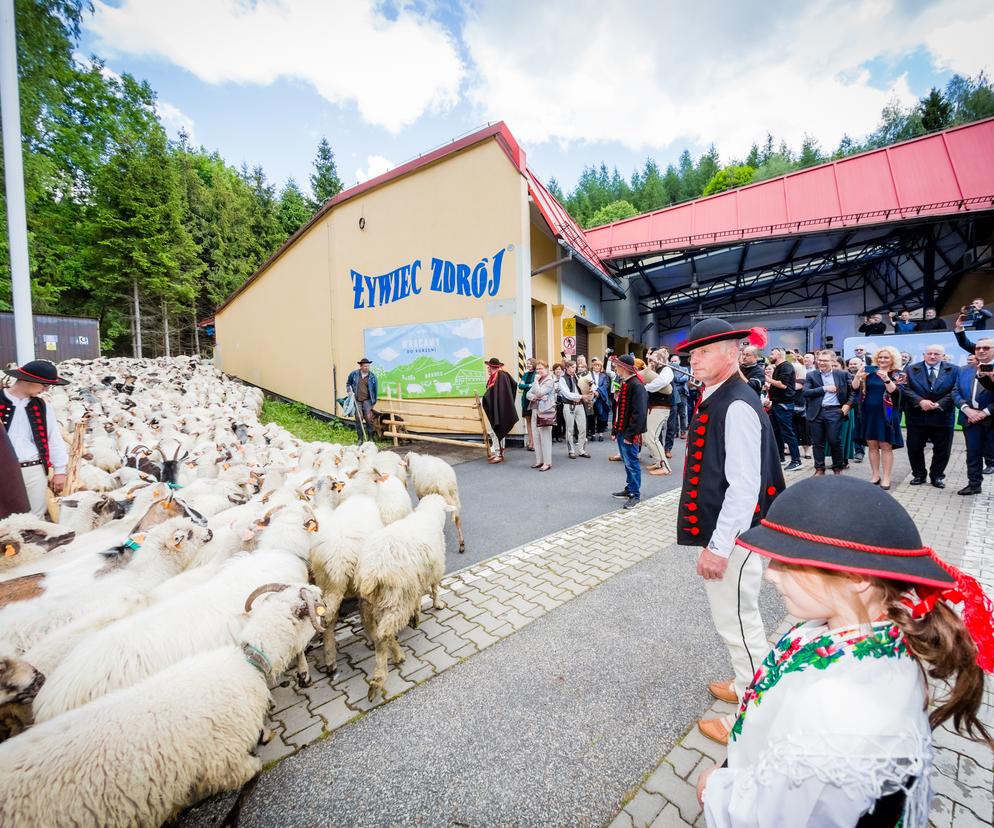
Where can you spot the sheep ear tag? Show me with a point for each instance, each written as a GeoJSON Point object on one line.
{"type": "Point", "coordinates": [311, 525]}
{"type": "Point", "coordinates": [9, 550]}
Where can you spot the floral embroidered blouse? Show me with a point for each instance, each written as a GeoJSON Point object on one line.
{"type": "Point", "coordinates": [832, 721]}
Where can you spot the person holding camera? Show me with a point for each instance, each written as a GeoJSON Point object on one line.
{"type": "Point", "coordinates": [873, 325]}
{"type": "Point", "coordinates": [931, 322]}
{"type": "Point", "coordinates": [974, 397]}
{"type": "Point", "coordinates": [574, 411]}
{"type": "Point", "coordinates": [974, 315]}
{"type": "Point", "coordinates": [880, 400]}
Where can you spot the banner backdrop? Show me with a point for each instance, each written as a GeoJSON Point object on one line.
{"type": "Point", "coordinates": [429, 359]}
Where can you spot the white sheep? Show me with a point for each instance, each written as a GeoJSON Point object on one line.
{"type": "Point", "coordinates": [398, 565]}
{"type": "Point", "coordinates": [25, 538]}
{"type": "Point", "coordinates": [128, 651]}
{"type": "Point", "coordinates": [140, 755]}
{"type": "Point", "coordinates": [335, 556]}
{"type": "Point", "coordinates": [432, 475]}
{"type": "Point", "coordinates": [69, 593]}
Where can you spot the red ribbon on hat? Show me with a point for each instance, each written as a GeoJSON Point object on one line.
{"type": "Point", "coordinates": [978, 612]}
{"type": "Point", "coordinates": [758, 337]}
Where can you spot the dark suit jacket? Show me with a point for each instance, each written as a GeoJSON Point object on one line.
{"type": "Point", "coordinates": [941, 392]}
{"type": "Point", "coordinates": [756, 377]}
{"type": "Point", "coordinates": [962, 391]}
{"type": "Point", "coordinates": [814, 391]}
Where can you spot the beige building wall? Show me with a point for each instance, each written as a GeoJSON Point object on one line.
{"type": "Point", "coordinates": [290, 326]}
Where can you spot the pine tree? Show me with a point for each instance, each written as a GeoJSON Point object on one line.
{"type": "Point", "coordinates": [325, 182]}
{"type": "Point", "coordinates": [810, 152]}
{"type": "Point", "coordinates": [935, 111]}
{"type": "Point", "coordinates": [293, 210]}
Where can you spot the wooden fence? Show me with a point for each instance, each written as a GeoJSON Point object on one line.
{"type": "Point", "coordinates": [400, 416]}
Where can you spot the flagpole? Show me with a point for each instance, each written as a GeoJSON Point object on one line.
{"type": "Point", "coordinates": [17, 227]}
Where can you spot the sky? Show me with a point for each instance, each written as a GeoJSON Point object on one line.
{"type": "Point", "coordinates": [578, 83]}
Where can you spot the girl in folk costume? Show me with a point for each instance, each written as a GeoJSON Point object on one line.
{"type": "Point", "coordinates": [834, 729]}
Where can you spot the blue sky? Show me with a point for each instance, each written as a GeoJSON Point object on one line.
{"type": "Point", "coordinates": [578, 83]}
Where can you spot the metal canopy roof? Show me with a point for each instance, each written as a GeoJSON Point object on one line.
{"type": "Point", "coordinates": [905, 221]}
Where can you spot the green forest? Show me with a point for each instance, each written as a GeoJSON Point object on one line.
{"type": "Point", "coordinates": [602, 195]}
{"type": "Point", "coordinates": [149, 234]}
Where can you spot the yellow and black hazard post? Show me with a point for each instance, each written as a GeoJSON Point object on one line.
{"type": "Point", "coordinates": [521, 358]}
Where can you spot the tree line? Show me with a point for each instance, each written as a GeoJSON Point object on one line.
{"type": "Point", "coordinates": [146, 234]}
{"type": "Point", "coordinates": [602, 195]}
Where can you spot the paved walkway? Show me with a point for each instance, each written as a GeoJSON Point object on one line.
{"type": "Point", "coordinates": [581, 714]}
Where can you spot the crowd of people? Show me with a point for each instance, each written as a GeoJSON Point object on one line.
{"type": "Point", "coordinates": [974, 315]}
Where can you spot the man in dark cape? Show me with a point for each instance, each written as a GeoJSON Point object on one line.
{"type": "Point", "coordinates": [498, 404]}
{"type": "Point", "coordinates": [13, 497]}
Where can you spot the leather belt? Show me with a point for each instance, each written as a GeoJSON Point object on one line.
{"type": "Point", "coordinates": [31, 463]}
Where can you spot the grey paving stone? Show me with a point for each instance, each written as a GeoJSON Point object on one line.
{"type": "Point", "coordinates": [296, 718]}
{"type": "Point", "coordinates": [941, 815]}
{"type": "Point", "coordinates": [421, 675]}
{"type": "Point", "coordinates": [307, 735]}
{"type": "Point", "coordinates": [481, 638]}
{"type": "Point", "coordinates": [283, 697]}
{"type": "Point", "coordinates": [439, 659]}
{"type": "Point", "coordinates": [965, 818]}
{"type": "Point", "coordinates": [683, 760]}
{"type": "Point", "coordinates": [335, 712]}
{"type": "Point", "coordinates": [695, 775]}
{"type": "Point", "coordinates": [672, 788]}
{"type": "Point", "coordinates": [622, 820]}
{"type": "Point", "coordinates": [644, 808]}
{"type": "Point", "coordinates": [467, 650]}
{"type": "Point", "coordinates": [970, 773]}
{"type": "Point", "coordinates": [274, 750]}
{"type": "Point", "coordinates": [419, 644]}
{"type": "Point", "coordinates": [431, 627]}
{"type": "Point", "coordinates": [459, 624]}
{"type": "Point", "coordinates": [983, 756]}
{"type": "Point", "coordinates": [669, 817]}
{"type": "Point", "coordinates": [695, 740]}
{"type": "Point", "coordinates": [975, 799]}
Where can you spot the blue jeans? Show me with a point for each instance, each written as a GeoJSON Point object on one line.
{"type": "Point", "coordinates": [633, 471]}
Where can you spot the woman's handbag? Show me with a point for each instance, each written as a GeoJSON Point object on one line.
{"type": "Point", "coordinates": [544, 419]}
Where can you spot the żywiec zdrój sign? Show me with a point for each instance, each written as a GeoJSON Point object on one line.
{"type": "Point", "coordinates": [429, 359]}
{"type": "Point", "coordinates": [442, 276]}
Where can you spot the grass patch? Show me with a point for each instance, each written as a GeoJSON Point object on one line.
{"type": "Point", "coordinates": [296, 418]}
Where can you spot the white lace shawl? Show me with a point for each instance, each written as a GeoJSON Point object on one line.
{"type": "Point", "coordinates": [823, 745]}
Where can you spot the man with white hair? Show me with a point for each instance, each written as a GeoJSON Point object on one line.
{"type": "Point", "coordinates": [731, 475]}
{"type": "Point", "coordinates": [930, 414]}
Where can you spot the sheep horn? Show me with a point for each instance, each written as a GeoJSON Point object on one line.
{"type": "Point", "coordinates": [313, 611]}
{"type": "Point", "coordinates": [260, 590]}
{"type": "Point", "coordinates": [269, 515]}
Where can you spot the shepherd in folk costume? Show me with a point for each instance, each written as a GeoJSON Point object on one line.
{"type": "Point", "coordinates": [731, 475]}
{"type": "Point", "coordinates": [834, 728]}
{"type": "Point", "coordinates": [34, 431]}
{"type": "Point", "coordinates": [13, 497]}
{"type": "Point", "coordinates": [498, 404]}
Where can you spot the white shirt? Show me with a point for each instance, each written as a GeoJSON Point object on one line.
{"type": "Point", "coordinates": [23, 441]}
{"type": "Point", "coordinates": [743, 461]}
{"type": "Point", "coordinates": [565, 393]}
{"type": "Point", "coordinates": [663, 378]}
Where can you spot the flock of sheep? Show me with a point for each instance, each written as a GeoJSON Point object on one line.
{"type": "Point", "coordinates": [140, 634]}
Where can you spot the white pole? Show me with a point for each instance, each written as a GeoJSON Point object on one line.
{"type": "Point", "coordinates": [17, 227]}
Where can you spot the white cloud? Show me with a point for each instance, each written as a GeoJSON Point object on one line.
{"type": "Point", "coordinates": [392, 70]}
{"type": "Point", "coordinates": [375, 165]}
{"type": "Point", "coordinates": [462, 353]}
{"type": "Point", "coordinates": [376, 332]}
{"type": "Point", "coordinates": [469, 329]}
{"type": "Point", "coordinates": [388, 354]}
{"type": "Point", "coordinates": [174, 120]}
{"type": "Point", "coordinates": [707, 71]}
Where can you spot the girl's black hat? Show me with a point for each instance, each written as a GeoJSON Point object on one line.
{"type": "Point", "coordinates": [848, 525]}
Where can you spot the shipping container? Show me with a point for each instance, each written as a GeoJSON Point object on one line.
{"type": "Point", "coordinates": [56, 338]}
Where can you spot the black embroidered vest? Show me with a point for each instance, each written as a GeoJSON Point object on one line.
{"type": "Point", "coordinates": [35, 410]}
{"type": "Point", "coordinates": [704, 482]}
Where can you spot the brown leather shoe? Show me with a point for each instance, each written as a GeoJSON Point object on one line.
{"type": "Point", "coordinates": [819, 473]}
{"type": "Point", "coordinates": [614, 457]}
{"type": "Point", "coordinates": [659, 471]}
{"type": "Point", "coordinates": [668, 454]}
{"type": "Point", "coordinates": [723, 691]}
{"type": "Point", "coordinates": [714, 729]}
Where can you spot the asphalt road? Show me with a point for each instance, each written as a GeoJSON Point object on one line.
{"type": "Point", "coordinates": [549, 727]}
{"type": "Point", "coordinates": [509, 504]}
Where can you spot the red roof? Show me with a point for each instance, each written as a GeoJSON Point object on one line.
{"type": "Point", "coordinates": [947, 172]}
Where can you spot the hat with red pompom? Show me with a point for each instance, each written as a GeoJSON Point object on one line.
{"type": "Point", "coordinates": [716, 330]}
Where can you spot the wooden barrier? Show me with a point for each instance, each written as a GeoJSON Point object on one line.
{"type": "Point", "coordinates": [400, 415]}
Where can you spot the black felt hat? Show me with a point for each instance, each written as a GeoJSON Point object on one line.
{"type": "Point", "coordinates": [716, 330]}
{"type": "Point", "coordinates": [364, 361]}
{"type": "Point", "coordinates": [847, 525]}
{"type": "Point", "coordinates": [493, 362]}
{"type": "Point", "coordinates": [39, 370]}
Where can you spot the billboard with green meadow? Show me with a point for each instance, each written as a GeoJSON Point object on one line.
{"type": "Point", "coordinates": [428, 359]}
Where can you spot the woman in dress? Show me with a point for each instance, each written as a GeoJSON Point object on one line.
{"type": "Point", "coordinates": [879, 393]}
{"type": "Point", "coordinates": [834, 729]}
{"type": "Point", "coordinates": [527, 378]}
{"type": "Point", "coordinates": [542, 396]}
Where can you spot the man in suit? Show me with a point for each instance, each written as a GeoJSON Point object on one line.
{"type": "Point", "coordinates": [930, 414]}
{"type": "Point", "coordinates": [973, 395]}
{"type": "Point", "coordinates": [826, 395]}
